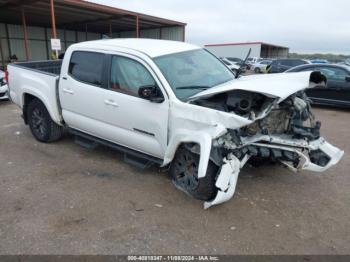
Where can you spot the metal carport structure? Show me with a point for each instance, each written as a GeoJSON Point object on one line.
{"type": "Point", "coordinates": [26, 26]}
{"type": "Point", "coordinates": [240, 50]}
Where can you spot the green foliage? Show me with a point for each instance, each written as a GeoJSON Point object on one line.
{"type": "Point", "coordinates": [329, 57]}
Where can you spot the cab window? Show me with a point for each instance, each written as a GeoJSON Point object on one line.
{"type": "Point", "coordinates": [128, 75]}
{"type": "Point", "coordinates": [87, 67]}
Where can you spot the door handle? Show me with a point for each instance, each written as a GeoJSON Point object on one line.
{"type": "Point", "coordinates": [111, 103]}
{"type": "Point", "coordinates": [68, 91]}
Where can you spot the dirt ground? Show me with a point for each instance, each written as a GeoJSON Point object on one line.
{"type": "Point", "coordinates": [63, 199]}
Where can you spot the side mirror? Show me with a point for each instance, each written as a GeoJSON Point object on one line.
{"type": "Point", "coordinates": [151, 93]}
{"type": "Point", "coordinates": [347, 79]}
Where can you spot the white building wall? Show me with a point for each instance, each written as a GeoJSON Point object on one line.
{"type": "Point", "coordinates": [238, 51]}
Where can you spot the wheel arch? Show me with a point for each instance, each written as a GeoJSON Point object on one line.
{"type": "Point", "coordinates": [203, 140]}
{"type": "Point", "coordinates": [28, 98]}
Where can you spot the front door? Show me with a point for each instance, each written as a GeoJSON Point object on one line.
{"type": "Point", "coordinates": [108, 106]}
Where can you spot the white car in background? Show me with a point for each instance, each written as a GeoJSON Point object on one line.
{"type": "Point", "coordinates": [231, 65]}
{"type": "Point", "coordinates": [3, 86]}
{"type": "Point", "coordinates": [260, 67]}
{"type": "Point", "coordinates": [251, 61]}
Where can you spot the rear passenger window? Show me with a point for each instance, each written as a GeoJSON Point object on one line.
{"type": "Point", "coordinates": [87, 67]}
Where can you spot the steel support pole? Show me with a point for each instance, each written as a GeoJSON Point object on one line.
{"type": "Point", "coordinates": [65, 38]}
{"type": "Point", "coordinates": [24, 23]}
{"type": "Point", "coordinates": [110, 30]}
{"type": "Point", "coordinates": [137, 27]}
{"type": "Point", "coordinates": [2, 56]}
{"type": "Point", "coordinates": [47, 45]}
{"type": "Point", "coordinates": [184, 33]}
{"type": "Point", "coordinates": [53, 19]}
{"type": "Point", "coordinates": [8, 39]}
{"type": "Point", "coordinates": [53, 22]}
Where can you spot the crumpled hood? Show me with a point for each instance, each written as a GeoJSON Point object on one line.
{"type": "Point", "coordinates": [272, 85]}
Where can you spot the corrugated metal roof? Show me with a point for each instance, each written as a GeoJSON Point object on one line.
{"type": "Point", "coordinates": [76, 14]}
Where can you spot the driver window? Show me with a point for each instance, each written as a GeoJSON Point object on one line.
{"type": "Point", "coordinates": [128, 75]}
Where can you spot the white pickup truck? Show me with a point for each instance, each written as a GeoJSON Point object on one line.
{"type": "Point", "coordinates": [176, 105]}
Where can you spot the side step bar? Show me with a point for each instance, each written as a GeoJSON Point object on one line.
{"type": "Point", "coordinates": [86, 143]}
{"type": "Point", "coordinates": [132, 157]}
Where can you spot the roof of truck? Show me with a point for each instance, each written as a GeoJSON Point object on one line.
{"type": "Point", "coordinates": [151, 47]}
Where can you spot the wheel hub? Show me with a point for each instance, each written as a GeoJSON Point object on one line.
{"type": "Point", "coordinates": [38, 123]}
{"type": "Point", "coordinates": [187, 172]}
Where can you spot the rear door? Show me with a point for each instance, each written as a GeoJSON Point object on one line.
{"type": "Point", "coordinates": [81, 91]}
{"type": "Point", "coordinates": [91, 105]}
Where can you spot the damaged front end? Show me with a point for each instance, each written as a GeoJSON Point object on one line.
{"type": "Point", "coordinates": [281, 131]}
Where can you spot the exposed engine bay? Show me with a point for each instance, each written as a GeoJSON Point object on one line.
{"type": "Point", "coordinates": [254, 119]}
{"type": "Point", "coordinates": [281, 132]}
{"type": "Point", "coordinates": [291, 119]}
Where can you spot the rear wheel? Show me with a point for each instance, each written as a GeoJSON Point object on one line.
{"type": "Point", "coordinates": [257, 70]}
{"type": "Point", "coordinates": [43, 128]}
{"type": "Point", "coordinates": [184, 172]}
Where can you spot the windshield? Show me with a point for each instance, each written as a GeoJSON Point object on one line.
{"type": "Point", "coordinates": [189, 73]}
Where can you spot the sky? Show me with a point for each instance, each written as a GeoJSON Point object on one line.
{"type": "Point", "coordinates": [306, 26]}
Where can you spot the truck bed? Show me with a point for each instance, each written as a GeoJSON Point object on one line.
{"type": "Point", "coordinates": [49, 67]}
{"type": "Point", "coordinates": [39, 79]}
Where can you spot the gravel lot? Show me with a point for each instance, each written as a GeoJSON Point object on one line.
{"type": "Point", "coordinates": [63, 199]}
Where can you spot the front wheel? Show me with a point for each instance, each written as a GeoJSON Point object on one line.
{"type": "Point", "coordinates": [184, 172]}
{"type": "Point", "coordinates": [43, 128]}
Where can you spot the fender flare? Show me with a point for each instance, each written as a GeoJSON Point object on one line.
{"type": "Point", "coordinates": [203, 139]}
{"type": "Point", "coordinates": [42, 99]}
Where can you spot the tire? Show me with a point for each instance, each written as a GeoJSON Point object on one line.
{"type": "Point", "coordinates": [184, 172]}
{"type": "Point", "coordinates": [43, 128]}
{"type": "Point", "coordinates": [257, 70]}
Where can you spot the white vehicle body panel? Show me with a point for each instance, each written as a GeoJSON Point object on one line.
{"type": "Point", "coordinates": [148, 47]}
{"type": "Point", "coordinates": [38, 84]}
{"type": "Point", "coordinates": [190, 123]}
{"type": "Point", "coordinates": [121, 116]}
{"type": "Point", "coordinates": [118, 118]}
{"type": "Point", "coordinates": [269, 85]}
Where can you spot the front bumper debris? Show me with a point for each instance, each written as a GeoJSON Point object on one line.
{"type": "Point", "coordinates": [227, 180]}
{"type": "Point", "coordinates": [228, 176]}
